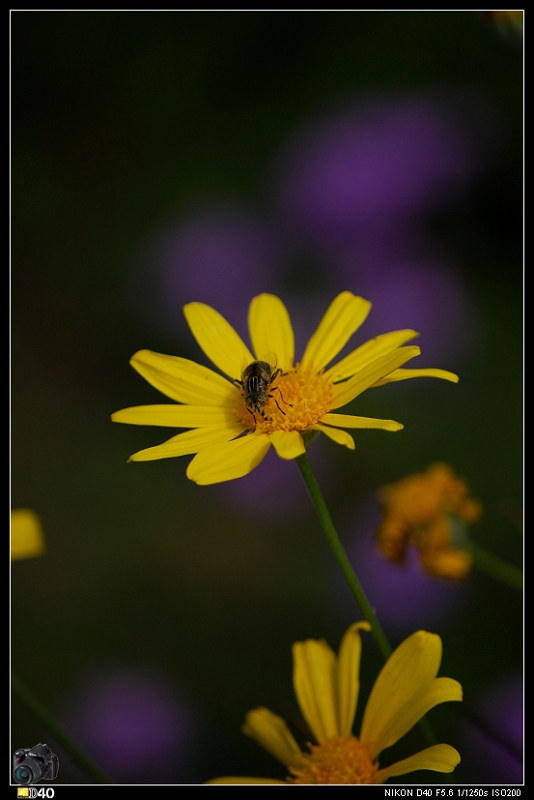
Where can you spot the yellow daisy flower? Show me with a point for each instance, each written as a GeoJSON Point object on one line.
{"type": "Point", "coordinates": [424, 510]}
{"type": "Point", "coordinates": [27, 538]}
{"type": "Point", "coordinates": [269, 400]}
{"type": "Point", "coordinates": [327, 687]}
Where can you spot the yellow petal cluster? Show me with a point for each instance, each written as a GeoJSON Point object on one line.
{"type": "Point", "coordinates": [327, 687]}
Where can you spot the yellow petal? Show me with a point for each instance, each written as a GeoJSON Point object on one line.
{"type": "Point", "coordinates": [406, 374]}
{"type": "Point", "coordinates": [272, 733]}
{"type": "Point", "coordinates": [189, 442]}
{"type": "Point", "coordinates": [440, 690]}
{"type": "Point", "coordinates": [183, 380]}
{"type": "Point", "coordinates": [217, 339]}
{"type": "Point", "coordinates": [348, 676]}
{"type": "Point", "coordinates": [406, 674]}
{"type": "Point", "coordinates": [288, 444]}
{"type": "Point", "coordinates": [439, 758]}
{"type": "Point", "coordinates": [446, 562]}
{"type": "Point", "coordinates": [336, 434]}
{"type": "Point", "coordinates": [244, 780]}
{"type": "Point", "coordinates": [229, 460]}
{"type": "Point", "coordinates": [363, 355]}
{"type": "Point", "coordinates": [27, 539]}
{"type": "Point", "coordinates": [350, 421]}
{"type": "Point", "coordinates": [343, 317]}
{"type": "Point", "coordinates": [270, 330]}
{"type": "Point", "coordinates": [176, 416]}
{"type": "Point", "coordinates": [344, 392]}
{"type": "Point", "coordinates": [314, 682]}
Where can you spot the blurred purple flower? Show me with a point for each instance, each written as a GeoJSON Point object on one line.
{"type": "Point", "coordinates": [419, 292]}
{"type": "Point", "coordinates": [379, 165]}
{"type": "Point", "coordinates": [132, 724]}
{"type": "Point", "coordinates": [220, 255]}
{"type": "Point", "coordinates": [492, 740]}
{"type": "Point", "coordinates": [404, 597]}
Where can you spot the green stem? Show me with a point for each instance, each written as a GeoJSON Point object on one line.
{"type": "Point", "coordinates": [303, 463]}
{"type": "Point", "coordinates": [83, 761]}
{"type": "Point", "coordinates": [495, 568]}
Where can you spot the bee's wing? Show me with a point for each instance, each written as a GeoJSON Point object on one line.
{"type": "Point", "coordinates": [271, 359]}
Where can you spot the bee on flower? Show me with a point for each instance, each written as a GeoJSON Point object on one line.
{"type": "Point", "coordinates": [233, 421]}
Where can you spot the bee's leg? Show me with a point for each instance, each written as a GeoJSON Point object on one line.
{"type": "Point", "coordinates": [278, 407]}
{"type": "Point", "coordinates": [282, 396]}
{"type": "Point", "coordinates": [238, 383]}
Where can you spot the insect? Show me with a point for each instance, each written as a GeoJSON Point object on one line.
{"type": "Point", "coordinates": [256, 379]}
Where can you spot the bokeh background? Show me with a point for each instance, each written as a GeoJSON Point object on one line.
{"type": "Point", "coordinates": [163, 157]}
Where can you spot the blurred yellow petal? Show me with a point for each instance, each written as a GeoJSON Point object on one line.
{"type": "Point", "coordinates": [271, 330]}
{"type": "Point", "coordinates": [231, 780]}
{"type": "Point", "coordinates": [427, 511]}
{"type": "Point", "coordinates": [229, 460]}
{"type": "Point", "coordinates": [344, 392]}
{"type": "Point", "coordinates": [446, 562]}
{"type": "Point", "coordinates": [27, 539]}
{"type": "Point", "coordinates": [348, 676]}
{"type": "Point", "coordinates": [219, 341]}
{"type": "Point", "coordinates": [439, 758]}
{"type": "Point", "coordinates": [176, 416]}
{"type": "Point", "coordinates": [508, 25]}
{"type": "Point", "coordinates": [314, 682]}
{"type": "Point", "coordinates": [183, 380]}
{"type": "Point", "coordinates": [343, 317]}
{"type": "Point", "coordinates": [407, 674]}
{"type": "Point", "coordinates": [189, 442]}
{"type": "Point", "coordinates": [288, 444]}
{"type": "Point", "coordinates": [407, 374]}
{"type": "Point", "coordinates": [272, 733]}
{"type": "Point", "coordinates": [351, 421]}
{"type": "Point", "coordinates": [371, 350]}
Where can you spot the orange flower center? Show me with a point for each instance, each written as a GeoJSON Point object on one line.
{"type": "Point", "coordinates": [340, 760]}
{"type": "Point", "coordinates": [295, 400]}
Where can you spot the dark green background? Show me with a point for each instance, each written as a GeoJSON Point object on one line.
{"type": "Point", "coordinates": [119, 121]}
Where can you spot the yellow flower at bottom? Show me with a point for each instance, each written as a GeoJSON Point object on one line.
{"type": "Point", "coordinates": [424, 510]}
{"type": "Point", "coordinates": [269, 400]}
{"type": "Point", "coordinates": [27, 538]}
{"type": "Point", "coordinates": [327, 688]}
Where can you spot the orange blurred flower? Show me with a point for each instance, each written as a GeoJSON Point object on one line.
{"type": "Point", "coordinates": [427, 510]}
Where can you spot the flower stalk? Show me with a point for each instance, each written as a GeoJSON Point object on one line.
{"type": "Point", "coordinates": [303, 463]}
{"type": "Point", "coordinates": [496, 568]}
